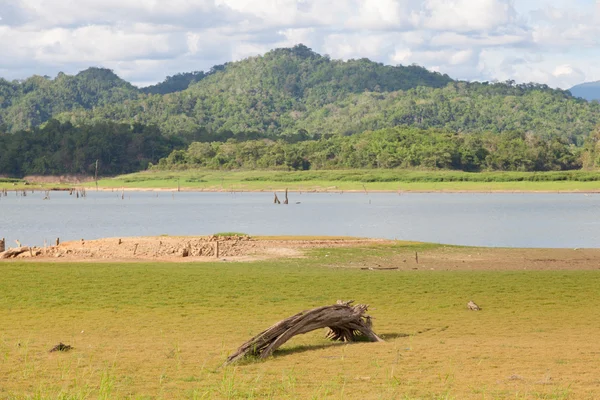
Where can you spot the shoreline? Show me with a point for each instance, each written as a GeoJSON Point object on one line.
{"type": "Point", "coordinates": [391, 254]}
{"type": "Point", "coordinates": [295, 190]}
{"type": "Point", "coordinates": [335, 190]}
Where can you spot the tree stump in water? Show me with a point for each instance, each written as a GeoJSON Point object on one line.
{"type": "Point", "coordinates": [345, 322]}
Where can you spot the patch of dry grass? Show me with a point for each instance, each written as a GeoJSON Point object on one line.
{"type": "Point", "coordinates": [153, 330]}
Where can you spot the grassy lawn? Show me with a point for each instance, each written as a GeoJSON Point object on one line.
{"type": "Point", "coordinates": [358, 180]}
{"type": "Point", "coordinates": [158, 330]}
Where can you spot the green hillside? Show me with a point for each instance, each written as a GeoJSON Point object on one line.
{"type": "Point", "coordinates": [298, 92]}
{"type": "Point", "coordinates": [29, 103]}
{"type": "Point", "coordinates": [269, 94]}
{"type": "Point", "coordinates": [291, 96]}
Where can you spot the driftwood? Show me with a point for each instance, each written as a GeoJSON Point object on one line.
{"type": "Point", "coordinates": [11, 253]}
{"type": "Point", "coordinates": [345, 322]}
{"type": "Point", "coordinates": [472, 306]}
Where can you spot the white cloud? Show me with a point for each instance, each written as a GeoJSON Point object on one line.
{"type": "Point", "coordinates": [468, 15]}
{"type": "Point", "coordinates": [567, 73]}
{"type": "Point", "coordinates": [549, 41]}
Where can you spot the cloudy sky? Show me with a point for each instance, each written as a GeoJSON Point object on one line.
{"type": "Point", "coordinates": [556, 42]}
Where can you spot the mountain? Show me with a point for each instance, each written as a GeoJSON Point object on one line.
{"type": "Point", "coordinates": [295, 93]}
{"type": "Point", "coordinates": [312, 109]}
{"type": "Point", "coordinates": [589, 91]}
{"type": "Point", "coordinates": [29, 103]}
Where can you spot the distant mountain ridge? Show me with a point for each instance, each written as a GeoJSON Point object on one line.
{"type": "Point", "coordinates": [31, 102]}
{"type": "Point", "coordinates": [296, 92]}
{"type": "Point", "coordinates": [589, 91]}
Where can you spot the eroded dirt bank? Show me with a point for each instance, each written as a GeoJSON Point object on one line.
{"type": "Point", "coordinates": [368, 254]}
{"type": "Point", "coordinates": [172, 248]}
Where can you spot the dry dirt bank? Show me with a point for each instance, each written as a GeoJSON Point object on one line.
{"type": "Point", "coordinates": [373, 254]}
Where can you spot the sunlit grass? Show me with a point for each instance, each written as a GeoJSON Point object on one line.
{"type": "Point", "coordinates": [151, 330]}
{"type": "Point", "coordinates": [359, 180]}
{"type": "Point", "coordinates": [343, 180]}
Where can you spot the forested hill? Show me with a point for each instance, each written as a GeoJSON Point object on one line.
{"type": "Point", "coordinates": [296, 92]}
{"type": "Point", "coordinates": [278, 82]}
{"type": "Point", "coordinates": [29, 103]}
{"type": "Point", "coordinates": [293, 94]}
{"type": "Point", "coordinates": [270, 95]}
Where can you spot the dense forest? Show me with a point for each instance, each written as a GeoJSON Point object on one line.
{"type": "Point", "coordinates": [388, 148]}
{"type": "Point", "coordinates": [27, 104]}
{"type": "Point", "coordinates": [296, 100]}
{"type": "Point", "coordinates": [291, 90]}
{"type": "Point", "coordinates": [65, 149]}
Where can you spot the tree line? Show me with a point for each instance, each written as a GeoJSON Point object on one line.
{"type": "Point", "coordinates": [398, 147]}
{"type": "Point", "coordinates": [61, 148]}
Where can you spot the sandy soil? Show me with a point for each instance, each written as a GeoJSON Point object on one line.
{"type": "Point", "coordinates": [185, 249]}
{"type": "Point", "coordinates": [374, 254]}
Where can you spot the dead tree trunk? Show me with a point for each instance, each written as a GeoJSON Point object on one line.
{"type": "Point", "coordinates": [11, 253]}
{"type": "Point", "coordinates": [345, 322]}
{"type": "Point", "coordinates": [96, 175]}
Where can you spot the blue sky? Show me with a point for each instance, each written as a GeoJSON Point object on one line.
{"type": "Point", "coordinates": [556, 42]}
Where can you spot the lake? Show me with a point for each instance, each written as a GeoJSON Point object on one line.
{"type": "Point", "coordinates": [494, 219]}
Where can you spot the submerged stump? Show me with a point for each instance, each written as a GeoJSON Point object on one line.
{"type": "Point", "coordinates": [346, 323]}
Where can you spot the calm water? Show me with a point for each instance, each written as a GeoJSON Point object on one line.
{"type": "Point", "coordinates": [508, 220]}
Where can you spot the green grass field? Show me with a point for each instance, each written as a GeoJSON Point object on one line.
{"type": "Point", "coordinates": [375, 180]}
{"type": "Point", "coordinates": [163, 330]}
{"type": "Point", "coordinates": [341, 180]}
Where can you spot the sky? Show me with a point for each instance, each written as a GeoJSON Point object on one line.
{"type": "Point", "coordinates": [554, 42]}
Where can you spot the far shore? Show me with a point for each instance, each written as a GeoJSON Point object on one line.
{"type": "Point", "coordinates": [66, 187]}
{"type": "Point", "coordinates": [332, 190]}
{"type": "Point", "coordinates": [323, 181]}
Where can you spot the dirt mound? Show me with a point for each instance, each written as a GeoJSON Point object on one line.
{"type": "Point", "coordinates": [169, 248]}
